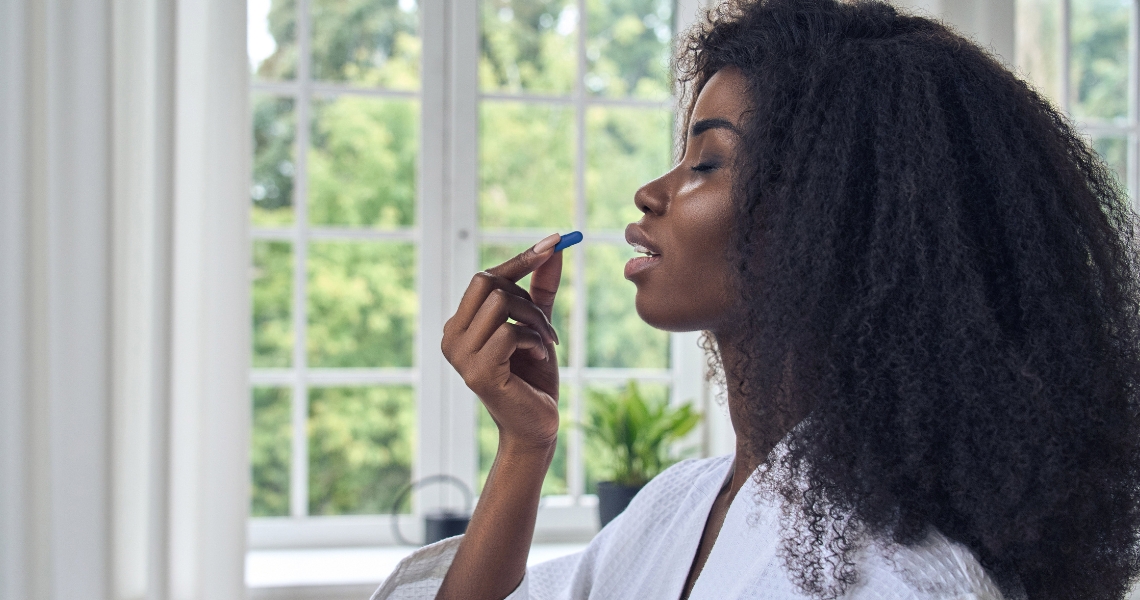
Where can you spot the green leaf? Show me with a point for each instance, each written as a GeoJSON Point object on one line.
{"type": "Point", "coordinates": [634, 435]}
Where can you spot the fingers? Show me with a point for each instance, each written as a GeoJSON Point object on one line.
{"type": "Point", "coordinates": [504, 276]}
{"type": "Point", "coordinates": [510, 338]}
{"type": "Point", "coordinates": [518, 266]}
{"type": "Point", "coordinates": [481, 369]}
{"type": "Point", "coordinates": [496, 309]}
{"type": "Point", "coordinates": [482, 284]}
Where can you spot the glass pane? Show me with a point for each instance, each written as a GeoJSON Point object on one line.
{"type": "Point", "coordinates": [362, 304]}
{"type": "Point", "coordinates": [1039, 45]}
{"type": "Point", "coordinates": [628, 48]}
{"type": "Point", "coordinates": [600, 459]}
{"type": "Point", "coordinates": [274, 126]}
{"type": "Point", "coordinates": [373, 43]}
{"type": "Point", "coordinates": [270, 451]}
{"type": "Point", "coordinates": [1114, 152]}
{"type": "Point", "coordinates": [555, 482]}
{"type": "Point", "coordinates": [1100, 58]}
{"type": "Point", "coordinates": [625, 148]}
{"type": "Point", "coordinates": [362, 164]}
{"type": "Point", "coordinates": [272, 304]}
{"type": "Point", "coordinates": [493, 254]}
{"type": "Point", "coordinates": [272, 39]}
{"type": "Point", "coordinates": [360, 448]}
{"type": "Point", "coordinates": [615, 334]}
{"type": "Point", "coordinates": [528, 46]}
{"type": "Point", "coordinates": [526, 166]}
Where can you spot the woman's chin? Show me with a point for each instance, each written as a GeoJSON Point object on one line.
{"type": "Point", "coordinates": [661, 317]}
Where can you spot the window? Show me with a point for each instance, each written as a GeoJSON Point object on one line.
{"type": "Point", "coordinates": [575, 114]}
{"type": "Point", "coordinates": [396, 153]}
{"type": "Point", "coordinates": [1083, 55]}
{"type": "Point", "coordinates": [334, 198]}
{"type": "Point", "coordinates": [400, 146]}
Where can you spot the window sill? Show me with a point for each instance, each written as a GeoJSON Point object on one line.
{"type": "Point", "coordinates": [334, 573]}
{"type": "Point", "coordinates": [560, 521]}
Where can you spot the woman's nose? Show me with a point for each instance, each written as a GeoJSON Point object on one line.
{"type": "Point", "coordinates": [653, 196]}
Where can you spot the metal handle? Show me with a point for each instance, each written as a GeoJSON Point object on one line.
{"type": "Point", "coordinates": [470, 500]}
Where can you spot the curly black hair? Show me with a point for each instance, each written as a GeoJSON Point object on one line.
{"type": "Point", "coordinates": [951, 275]}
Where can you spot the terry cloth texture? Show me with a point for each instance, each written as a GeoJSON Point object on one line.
{"type": "Point", "coordinates": [646, 552]}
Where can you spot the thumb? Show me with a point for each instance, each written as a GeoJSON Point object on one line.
{"type": "Point", "coordinates": [544, 284]}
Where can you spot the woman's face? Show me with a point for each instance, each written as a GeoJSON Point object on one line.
{"type": "Point", "coordinates": [688, 214]}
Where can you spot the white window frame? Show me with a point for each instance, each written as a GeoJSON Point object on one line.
{"type": "Point", "coordinates": [1095, 128]}
{"type": "Point", "coordinates": [447, 238]}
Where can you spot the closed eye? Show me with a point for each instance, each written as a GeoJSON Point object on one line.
{"type": "Point", "coordinates": [705, 167]}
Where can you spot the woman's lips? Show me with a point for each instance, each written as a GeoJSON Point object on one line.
{"type": "Point", "coordinates": [640, 263]}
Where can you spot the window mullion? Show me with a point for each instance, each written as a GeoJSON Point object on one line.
{"type": "Point", "coordinates": [459, 235]}
{"type": "Point", "coordinates": [299, 468]}
{"type": "Point", "coordinates": [1131, 139]}
{"type": "Point", "coordinates": [1064, 71]}
{"type": "Point", "coordinates": [575, 458]}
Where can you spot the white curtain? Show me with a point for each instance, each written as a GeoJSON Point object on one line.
{"type": "Point", "coordinates": [124, 310]}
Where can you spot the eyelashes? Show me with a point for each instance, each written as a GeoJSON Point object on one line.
{"type": "Point", "coordinates": [705, 167]}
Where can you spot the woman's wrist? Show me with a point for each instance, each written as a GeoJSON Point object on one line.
{"type": "Point", "coordinates": [526, 451]}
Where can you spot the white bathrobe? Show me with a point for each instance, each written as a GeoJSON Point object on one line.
{"type": "Point", "coordinates": [646, 553]}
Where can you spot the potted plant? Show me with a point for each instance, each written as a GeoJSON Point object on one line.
{"type": "Point", "coordinates": [631, 438]}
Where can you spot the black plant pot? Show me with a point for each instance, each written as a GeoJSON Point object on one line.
{"type": "Point", "coordinates": [440, 525]}
{"type": "Point", "coordinates": [613, 498]}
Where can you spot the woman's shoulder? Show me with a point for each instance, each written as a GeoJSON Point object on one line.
{"type": "Point", "coordinates": [934, 568]}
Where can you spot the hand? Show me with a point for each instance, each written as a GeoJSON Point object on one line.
{"type": "Point", "coordinates": [512, 367]}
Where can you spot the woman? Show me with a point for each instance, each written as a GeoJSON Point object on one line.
{"type": "Point", "coordinates": [922, 285]}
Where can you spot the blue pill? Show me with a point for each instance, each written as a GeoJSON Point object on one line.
{"type": "Point", "coordinates": [568, 239]}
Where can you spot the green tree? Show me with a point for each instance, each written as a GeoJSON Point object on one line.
{"type": "Point", "coordinates": [362, 304]}
{"type": "Point", "coordinates": [527, 45]}
{"type": "Point", "coordinates": [1100, 58]}
{"type": "Point", "coordinates": [272, 295]}
{"type": "Point", "coordinates": [274, 129]}
{"type": "Point", "coordinates": [625, 148]}
{"type": "Point", "coordinates": [362, 295]}
{"type": "Point", "coordinates": [368, 42]}
{"type": "Point", "coordinates": [526, 166]}
{"type": "Point", "coordinates": [269, 452]}
{"type": "Point", "coordinates": [616, 335]}
{"type": "Point", "coordinates": [282, 64]}
{"type": "Point", "coordinates": [628, 47]}
{"type": "Point", "coordinates": [362, 162]}
{"type": "Point", "coordinates": [361, 442]}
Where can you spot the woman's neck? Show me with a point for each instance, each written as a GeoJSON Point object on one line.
{"type": "Point", "coordinates": [752, 445]}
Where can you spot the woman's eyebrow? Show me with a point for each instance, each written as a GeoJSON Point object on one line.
{"type": "Point", "coordinates": [715, 123]}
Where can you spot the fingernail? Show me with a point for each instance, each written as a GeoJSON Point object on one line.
{"type": "Point", "coordinates": [555, 332]}
{"type": "Point", "coordinates": [547, 243]}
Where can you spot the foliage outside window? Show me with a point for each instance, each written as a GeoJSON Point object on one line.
{"type": "Point", "coordinates": [575, 114]}
{"type": "Point", "coordinates": [352, 164]}
{"type": "Point", "coordinates": [1092, 81]}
